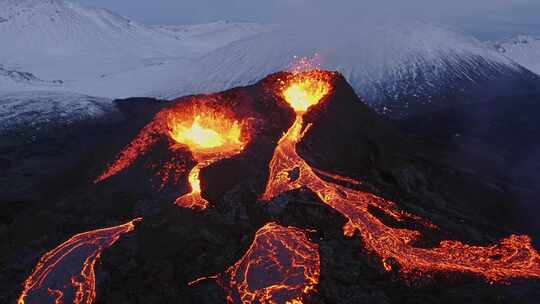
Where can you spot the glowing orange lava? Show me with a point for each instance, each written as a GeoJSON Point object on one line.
{"type": "Point", "coordinates": [53, 279]}
{"type": "Point", "coordinates": [211, 136]}
{"type": "Point", "coordinates": [303, 90]}
{"type": "Point", "coordinates": [210, 133]}
{"type": "Point", "coordinates": [281, 266]}
{"type": "Point", "coordinates": [207, 132]}
{"type": "Point", "coordinates": [513, 257]}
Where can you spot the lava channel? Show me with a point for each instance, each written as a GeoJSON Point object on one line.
{"type": "Point", "coordinates": [281, 266]}
{"type": "Point", "coordinates": [66, 273]}
{"type": "Point", "coordinates": [513, 257]}
{"type": "Point", "coordinates": [211, 134]}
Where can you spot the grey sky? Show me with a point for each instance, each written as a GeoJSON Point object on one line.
{"type": "Point", "coordinates": [485, 18]}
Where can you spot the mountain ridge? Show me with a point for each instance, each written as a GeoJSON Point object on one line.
{"type": "Point", "coordinates": [523, 49]}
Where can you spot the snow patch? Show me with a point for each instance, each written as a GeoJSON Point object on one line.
{"type": "Point", "coordinates": [382, 60]}
{"type": "Point", "coordinates": [523, 49]}
{"type": "Point", "coordinates": [34, 109]}
{"type": "Point", "coordinates": [98, 53]}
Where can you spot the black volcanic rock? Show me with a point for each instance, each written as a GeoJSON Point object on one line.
{"type": "Point", "coordinates": [172, 246]}
{"type": "Point", "coordinates": [488, 130]}
{"type": "Point", "coordinates": [268, 118]}
{"type": "Point", "coordinates": [349, 137]}
{"type": "Point", "coordinates": [248, 170]}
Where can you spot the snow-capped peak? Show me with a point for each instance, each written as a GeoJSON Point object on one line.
{"type": "Point", "coordinates": [35, 25]}
{"type": "Point", "coordinates": [96, 52]}
{"type": "Point", "coordinates": [383, 59]}
{"type": "Point", "coordinates": [522, 49]}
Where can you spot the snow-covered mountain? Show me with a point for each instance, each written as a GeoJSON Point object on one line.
{"type": "Point", "coordinates": [524, 50]}
{"type": "Point", "coordinates": [13, 78]}
{"type": "Point", "coordinates": [62, 40]}
{"type": "Point", "coordinates": [56, 39]}
{"type": "Point", "coordinates": [35, 109]}
{"type": "Point", "coordinates": [213, 35]}
{"type": "Point", "coordinates": [382, 60]}
{"type": "Point", "coordinates": [436, 84]}
{"type": "Point", "coordinates": [57, 27]}
{"type": "Point", "coordinates": [19, 79]}
{"type": "Point", "coordinates": [71, 48]}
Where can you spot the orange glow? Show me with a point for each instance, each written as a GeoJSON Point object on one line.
{"type": "Point", "coordinates": [211, 136]}
{"type": "Point", "coordinates": [303, 90]}
{"type": "Point", "coordinates": [513, 257]}
{"type": "Point", "coordinates": [210, 133]}
{"type": "Point", "coordinates": [53, 278]}
{"type": "Point", "coordinates": [206, 132]}
{"type": "Point", "coordinates": [307, 84]}
{"type": "Point", "coordinates": [137, 147]}
{"type": "Point", "coordinates": [281, 266]}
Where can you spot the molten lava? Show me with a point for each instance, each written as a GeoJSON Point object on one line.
{"type": "Point", "coordinates": [211, 136]}
{"type": "Point", "coordinates": [54, 280]}
{"type": "Point", "coordinates": [281, 266]}
{"type": "Point", "coordinates": [511, 258]}
{"type": "Point", "coordinates": [303, 90]}
{"type": "Point", "coordinates": [206, 132]}
{"type": "Point", "coordinates": [210, 133]}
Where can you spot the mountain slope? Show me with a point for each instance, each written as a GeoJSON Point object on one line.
{"type": "Point", "coordinates": [96, 52]}
{"type": "Point", "coordinates": [59, 39]}
{"type": "Point", "coordinates": [33, 109]}
{"type": "Point", "coordinates": [64, 28]}
{"type": "Point", "coordinates": [383, 61]}
{"type": "Point", "coordinates": [210, 36]}
{"type": "Point", "coordinates": [524, 50]}
{"type": "Point", "coordinates": [473, 107]}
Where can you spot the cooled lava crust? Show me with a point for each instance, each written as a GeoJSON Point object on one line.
{"type": "Point", "coordinates": [203, 254]}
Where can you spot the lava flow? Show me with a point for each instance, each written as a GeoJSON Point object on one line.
{"type": "Point", "coordinates": [54, 280]}
{"type": "Point", "coordinates": [211, 136]}
{"type": "Point", "coordinates": [211, 133]}
{"type": "Point", "coordinates": [281, 266]}
{"type": "Point", "coordinates": [513, 257]}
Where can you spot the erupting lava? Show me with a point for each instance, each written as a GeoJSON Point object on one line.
{"type": "Point", "coordinates": [281, 266]}
{"type": "Point", "coordinates": [210, 133]}
{"type": "Point", "coordinates": [54, 280]}
{"type": "Point", "coordinates": [207, 132]}
{"type": "Point", "coordinates": [306, 89]}
{"type": "Point", "coordinates": [211, 136]}
{"type": "Point", "coordinates": [513, 257]}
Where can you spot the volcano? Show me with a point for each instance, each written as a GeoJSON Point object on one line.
{"type": "Point", "coordinates": [291, 190]}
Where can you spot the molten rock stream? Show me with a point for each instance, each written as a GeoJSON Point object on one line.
{"type": "Point", "coordinates": [513, 257]}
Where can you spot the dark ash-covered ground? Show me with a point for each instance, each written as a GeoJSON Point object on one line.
{"type": "Point", "coordinates": [47, 195]}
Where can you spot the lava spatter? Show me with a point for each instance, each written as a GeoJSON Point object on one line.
{"type": "Point", "coordinates": [211, 136]}
{"type": "Point", "coordinates": [66, 273]}
{"type": "Point", "coordinates": [281, 266]}
{"type": "Point", "coordinates": [211, 132]}
{"type": "Point", "coordinates": [513, 257]}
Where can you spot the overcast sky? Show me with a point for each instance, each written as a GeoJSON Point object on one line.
{"type": "Point", "coordinates": [485, 18]}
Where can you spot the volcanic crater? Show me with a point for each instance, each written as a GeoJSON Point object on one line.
{"type": "Point", "coordinates": [291, 190]}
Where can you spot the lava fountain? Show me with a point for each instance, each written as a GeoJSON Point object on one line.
{"type": "Point", "coordinates": [211, 136]}
{"type": "Point", "coordinates": [208, 130]}
{"type": "Point", "coordinates": [54, 280]}
{"type": "Point", "coordinates": [513, 257]}
{"type": "Point", "coordinates": [281, 266]}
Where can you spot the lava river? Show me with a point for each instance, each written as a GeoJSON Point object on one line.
{"type": "Point", "coordinates": [512, 257]}
{"type": "Point", "coordinates": [281, 266]}
{"type": "Point", "coordinates": [211, 133]}
{"type": "Point", "coordinates": [66, 273]}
